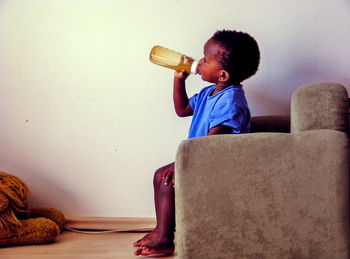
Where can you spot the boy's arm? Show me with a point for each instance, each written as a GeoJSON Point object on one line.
{"type": "Point", "coordinates": [181, 101]}
{"type": "Point", "coordinates": [219, 129]}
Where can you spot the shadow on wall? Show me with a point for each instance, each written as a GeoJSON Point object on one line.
{"type": "Point", "coordinates": [261, 103]}
{"type": "Point", "coordinates": [45, 192]}
{"type": "Point", "coordinates": [315, 69]}
{"type": "Point", "coordinates": [274, 97]}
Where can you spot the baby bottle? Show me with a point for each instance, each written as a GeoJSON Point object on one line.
{"type": "Point", "coordinates": [173, 60]}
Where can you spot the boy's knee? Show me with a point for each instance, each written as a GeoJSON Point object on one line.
{"type": "Point", "coordinates": [166, 189]}
{"type": "Point", "coordinates": [158, 177]}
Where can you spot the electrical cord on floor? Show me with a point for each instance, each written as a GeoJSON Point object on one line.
{"type": "Point", "coordinates": [139, 230]}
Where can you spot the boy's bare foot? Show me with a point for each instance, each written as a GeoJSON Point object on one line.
{"type": "Point", "coordinates": [156, 247]}
{"type": "Point", "coordinates": [147, 238]}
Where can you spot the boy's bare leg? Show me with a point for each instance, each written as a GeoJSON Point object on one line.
{"type": "Point", "coordinates": [163, 242]}
{"type": "Point", "coordinates": [157, 181]}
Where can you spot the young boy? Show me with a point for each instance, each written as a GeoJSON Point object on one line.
{"type": "Point", "coordinates": [229, 58]}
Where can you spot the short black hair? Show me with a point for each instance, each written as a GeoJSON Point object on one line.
{"type": "Point", "coordinates": [240, 56]}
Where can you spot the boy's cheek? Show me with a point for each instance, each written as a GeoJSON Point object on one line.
{"type": "Point", "coordinates": [199, 69]}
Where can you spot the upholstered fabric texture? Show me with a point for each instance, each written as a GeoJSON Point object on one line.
{"type": "Point", "coordinates": [319, 106]}
{"type": "Point", "coordinates": [263, 195]}
{"type": "Point", "coordinates": [269, 195]}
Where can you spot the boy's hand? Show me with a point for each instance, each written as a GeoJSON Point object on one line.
{"type": "Point", "coordinates": [182, 76]}
{"type": "Point", "coordinates": [168, 175]}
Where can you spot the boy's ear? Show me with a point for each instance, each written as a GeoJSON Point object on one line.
{"type": "Point", "coordinates": [224, 76]}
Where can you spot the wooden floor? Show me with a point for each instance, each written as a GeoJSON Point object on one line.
{"type": "Point", "coordinates": [92, 245]}
{"type": "Point", "coordinates": [76, 245]}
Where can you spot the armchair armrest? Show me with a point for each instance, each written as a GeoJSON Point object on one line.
{"type": "Point", "coordinates": [268, 195]}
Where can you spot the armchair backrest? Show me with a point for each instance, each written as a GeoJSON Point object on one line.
{"type": "Point", "coordinates": [270, 123]}
{"type": "Point", "coordinates": [319, 106]}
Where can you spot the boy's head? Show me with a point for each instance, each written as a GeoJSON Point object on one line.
{"type": "Point", "coordinates": [238, 54]}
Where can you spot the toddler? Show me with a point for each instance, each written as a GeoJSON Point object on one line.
{"type": "Point", "coordinates": [221, 108]}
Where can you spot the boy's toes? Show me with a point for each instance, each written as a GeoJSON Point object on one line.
{"type": "Point", "coordinates": [156, 251]}
{"type": "Point", "coordinates": [137, 243]}
{"type": "Point", "coordinates": [138, 251]}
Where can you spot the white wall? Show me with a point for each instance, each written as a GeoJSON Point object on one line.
{"type": "Point", "coordinates": [86, 118]}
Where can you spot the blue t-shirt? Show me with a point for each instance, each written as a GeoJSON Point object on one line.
{"type": "Point", "coordinates": [228, 107]}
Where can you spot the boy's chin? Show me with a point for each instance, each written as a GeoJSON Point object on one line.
{"type": "Point", "coordinates": [209, 81]}
{"type": "Point", "coordinates": [203, 78]}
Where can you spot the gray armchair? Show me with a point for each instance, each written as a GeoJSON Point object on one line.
{"type": "Point", "coordinates": [272, 194]}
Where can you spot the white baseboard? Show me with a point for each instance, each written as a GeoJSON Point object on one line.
{"type": "Point", "coordinates": [110, 223]}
